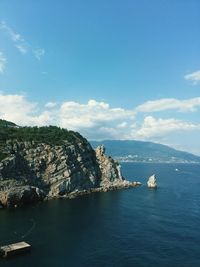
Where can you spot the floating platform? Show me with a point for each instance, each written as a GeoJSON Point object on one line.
{"type": "Point", "coordinates": [13, 249]}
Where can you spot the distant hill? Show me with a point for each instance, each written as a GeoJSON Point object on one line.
{"type": "Point", "coordinates": [4, 123]}
{"type": "Point", "coordinates": [52, 135]}
{"type": "Point", "coordinates": [139, 151]}
{"type": "Point", "coordinates": [48, 134]}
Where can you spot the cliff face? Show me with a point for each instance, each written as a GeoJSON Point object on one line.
{"type": "Point", "coordinates": [109, 168]}
{"type": "Point", "coordinates": [32, 172]}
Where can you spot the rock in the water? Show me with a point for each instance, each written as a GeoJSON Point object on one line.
{"type": "Point", "coordinates": [151, 183]}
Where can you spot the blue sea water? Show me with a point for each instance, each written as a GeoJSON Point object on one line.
{"type": "Point", "coordinates": [131, 227]}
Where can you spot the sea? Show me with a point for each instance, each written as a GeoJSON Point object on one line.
{"type": "Point", "coordinates": [137, 227]}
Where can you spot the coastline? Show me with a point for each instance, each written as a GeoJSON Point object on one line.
{"type": "Point", "coordinates": [122, 185]}
{"type": "Point", "coordinates": [154, 162]}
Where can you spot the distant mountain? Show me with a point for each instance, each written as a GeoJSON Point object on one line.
{"type": "Point", "coordinates": [4, 123]}
{"type": "Point", "coordinates": [139, 151]}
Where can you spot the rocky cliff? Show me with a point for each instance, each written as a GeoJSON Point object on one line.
{"type": "Point", "coordinates": [31, 171]}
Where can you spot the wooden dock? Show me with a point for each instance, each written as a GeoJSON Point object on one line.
{"type": "Point", "coordinates": [13, 249]}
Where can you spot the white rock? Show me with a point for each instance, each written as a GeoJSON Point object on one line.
{"type": "Point", "coordinates": [151, 183]}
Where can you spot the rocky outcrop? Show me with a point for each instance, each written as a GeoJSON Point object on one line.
{"type": "Point", "coordinates": [33, 172]}
{"type": "Point", "coordinates": [151, 183]}
{"type": "Point", "coordinates": [110, 169]}
{"type": "Point", "coordinates": [111, 176]}
{"type": "Point", "coordinates": [21, 195]}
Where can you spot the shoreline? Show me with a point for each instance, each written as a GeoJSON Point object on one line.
{"type": "Point", "coordinates": [140, 162]}
{"type": "Point", "coordinates": [105, 188]}
{"type": "Point", "coordinates": [123, 184]}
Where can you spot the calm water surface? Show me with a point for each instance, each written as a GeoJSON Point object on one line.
{"type": "Point", "coordinates": [133, 227]}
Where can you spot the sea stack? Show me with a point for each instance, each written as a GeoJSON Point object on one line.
{"type": "Point", "coordinates": [151, 183]}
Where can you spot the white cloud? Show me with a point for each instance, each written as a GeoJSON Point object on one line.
{"type": "Point", "coordinates": [93, 114]}
{"type": "Point", "coordinates": [16, 37]}
{"type": "Point", "coordinates": [39, 53]}
{"type": "Point", "coordinates": [17, 109]}
{"type": "Point", "coordinates": [94, 120]}
{"type": "Point", "coordinates": [194, 77]}
{"type": "Point", "coordinates": [71, 115]}
{"type": "Point", "coordinates": [20, 43]}
{"type": "Point", "coordinates": [2, 62]}
{"type": "Point", "coordinates": [122, 124]}
{"type": "Point", "coordinates": [152, 127]}
{"type": "Point", "coordinates": [50, 105]}
{"type": "Point", "coordinates": [22, 48]}
{"type": "Point", "coordinates": [169, 104]}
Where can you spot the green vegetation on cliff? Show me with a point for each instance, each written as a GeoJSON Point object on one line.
{"type": "Point", "coordinates": [4, 123]}
{"type": "Point", "coordinates": [46, 134]}
{"type": "Point", "coordinates": [51, 135]}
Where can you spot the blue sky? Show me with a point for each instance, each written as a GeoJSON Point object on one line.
{"type": "Point", "coordinates": [109, 69]}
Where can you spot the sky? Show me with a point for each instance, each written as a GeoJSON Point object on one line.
{"type": "Point", "coordinates": [110, 69]}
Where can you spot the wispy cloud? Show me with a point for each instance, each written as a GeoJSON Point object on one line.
{"type": "Point", "coordinates": [51, 105]}
{"type": "Point", "coordinates": [187, 105]}
{"type": "Point", "coordinates": [39, 53]}
{"type": "Point", "coordinates": [20, 43]}
{"type": "Point", "coordinates": [2, 63]}
{"type": "Point", "coordinates": [16, 37]}
{"type": "Point", "coordinates": [22, 48]}
{"type": "Point", "coordinates": [44, 72]}
{"type": "Point", "coordinates": [194, 77]}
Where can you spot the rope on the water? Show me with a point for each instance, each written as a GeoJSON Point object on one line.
{"type": "Point", "coordinates": [30, 230]}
